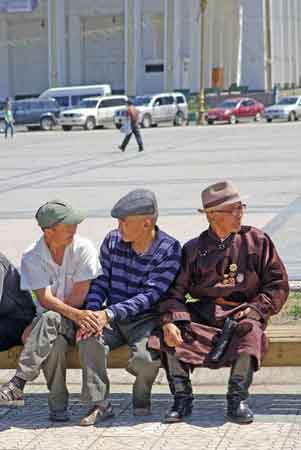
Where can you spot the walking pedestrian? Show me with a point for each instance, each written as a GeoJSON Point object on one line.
{"type": "Point", "coordinates": [133, 115]}
{"type": "Point", "coordinates": [8, 120]}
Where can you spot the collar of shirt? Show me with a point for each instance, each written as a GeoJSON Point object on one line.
{"type": "Point", "coordinates": [212, 235]}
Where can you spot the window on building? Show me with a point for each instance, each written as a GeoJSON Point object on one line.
{"type": "Point", "coordinates": [154, 68]}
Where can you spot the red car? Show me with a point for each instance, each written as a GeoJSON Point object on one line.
{"type": "Point", "coordinates": [234, 110]}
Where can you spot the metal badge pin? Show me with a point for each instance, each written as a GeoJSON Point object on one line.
{"type": "Point", "coordinates": [240, 277]}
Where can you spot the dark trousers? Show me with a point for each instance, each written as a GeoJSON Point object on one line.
{"type": "Point", "coordinates": [8, 126]}
{"type": "Point", "coordinates": [241, 376]}
{"type": "Point", "coordinates": [136, 132]}
{"type": "Point", "coordinates": [11, 332]}
{"type": "Point", "coordinates": [178, 376]}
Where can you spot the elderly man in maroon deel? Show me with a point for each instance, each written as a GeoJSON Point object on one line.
{"type": "Point", "coordinates": [231, 281]}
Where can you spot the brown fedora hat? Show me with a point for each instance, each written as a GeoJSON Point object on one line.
{"type": "Point", "coordinates": [219, 194]}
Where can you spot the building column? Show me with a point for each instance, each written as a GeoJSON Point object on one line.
{"type": "Point", "coordinates": [239, 44]}
{"type": "Point", "coordinates": [268, 44]}
{"type": "Point", "coordinates": [221, 35]}
{"type": "Point", "coordinates": [282, 50]}
{"type": "Point", "coordinates": [195, 47]}
{"type": "Point", "coordinates": [177, 46]}
{"type": "Point", "coordinates": [289, 33]}
{"type": "Point", "coordinates": [132, 30]}
{"type": "Point", "coordinates": [209, 37]}
{"type": "Point", "coordinates": [229, 41]}
{"type": "Point", "coordinates": [75, 50]}
{"type": "Point", "coordinates": [169, 19]}
{"type": "Point", "coordinates": [298, 47]}
{"type": "Point", "coordinates": [295, 17]}
{"type": "Point", "coordinates": [56, 43]}
{"type": "Point", "coordinates": [253, 48]}
{"type": "Point", "coordinates": [5, 88]}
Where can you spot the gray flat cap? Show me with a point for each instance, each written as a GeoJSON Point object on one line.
{"type": "Point", "coordinates": [136, 203]}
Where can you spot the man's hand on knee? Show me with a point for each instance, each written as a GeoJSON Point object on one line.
{"type": "Point", "coordinates": [87, 321]}
{"type": "Point", "coordinates": [172, 335]}
{"type": "Point", "coordinates": [102, 322]}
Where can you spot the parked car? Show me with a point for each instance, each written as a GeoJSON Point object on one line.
{"type": "Point", "coordinates": [159, 108]}
{"type": "Point", "coordinates": [288, 108]}
{"type": "Point", "coordinates": [234, 110]}
{"type": "Point", "coordinates": [35, 113]}
{"type": "Point", "coordinates": [92, 112]}
{"type": "Point", "coordinates": [72, 95]}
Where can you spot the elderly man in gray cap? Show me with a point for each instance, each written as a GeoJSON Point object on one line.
{"type": "Point", "coordinates": [231, 281]}
{"type": "Point", "coordinates": [139, 263]}
{"type": "Point", "coordinates": [58, 268]}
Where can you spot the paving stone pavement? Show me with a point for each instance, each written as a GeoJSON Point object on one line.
{"type": "Point", "coordinates": [277, 425]}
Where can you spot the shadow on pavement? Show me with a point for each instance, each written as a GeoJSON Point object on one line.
{"type": "Point", "coordinates": [208, 411]}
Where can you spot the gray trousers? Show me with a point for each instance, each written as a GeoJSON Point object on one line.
{"type": "Point", "coordinates": [143, 364]}
{"type": "Point", "coordinates": [46, 349]}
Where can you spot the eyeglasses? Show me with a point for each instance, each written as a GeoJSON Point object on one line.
{"type": "Point", "coordinates": [234, 211]}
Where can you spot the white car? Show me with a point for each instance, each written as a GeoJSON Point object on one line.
{"type": "Point", "coordinates": [288, 108]}
{"type": "Point", "coordinates": [92, 112]}
{"type": "Point", "coordinates": [159, 108]}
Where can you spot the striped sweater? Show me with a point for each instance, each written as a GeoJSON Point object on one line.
{"type": "Point", "coordinates": [133, 284]}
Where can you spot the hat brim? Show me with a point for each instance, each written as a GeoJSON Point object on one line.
{"type": "Point", "coordinates": [74, 218]}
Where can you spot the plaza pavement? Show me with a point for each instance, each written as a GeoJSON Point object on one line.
{"type": "Point", "coordinates": [277, 425]}
{"type": "Point", "coordinates": [89, 171]}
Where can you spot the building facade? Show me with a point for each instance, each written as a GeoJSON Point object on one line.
{"type": "Point", "coordinates": [139, 46]}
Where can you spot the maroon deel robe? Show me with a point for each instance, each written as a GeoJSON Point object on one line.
{"type": "Point", "coordinates": [244, 269]}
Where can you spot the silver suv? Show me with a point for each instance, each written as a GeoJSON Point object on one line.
{"type": "Point", "coordinates": [159, 108]}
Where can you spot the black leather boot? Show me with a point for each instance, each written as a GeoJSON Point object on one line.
{"type": "Point", "coordinates": [238, 411]}
{"type": "Point", "coordinates": [180, 386]}
{"type": "Point", "coordinates": [240, 380]}
{"type": "Point", "coordinates": [182, 407]}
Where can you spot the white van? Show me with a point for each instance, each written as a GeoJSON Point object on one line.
{"type": "Point", "coordinates": [71, 96]}
{"type": "Point", "coordinates": [92, 112]}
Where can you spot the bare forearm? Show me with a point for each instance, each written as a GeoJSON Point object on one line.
{"type": "Point", "coordinates": [55, 304]}
{"type": "Point", "coordinates": [74, 302]}
{"type": "Point", "coordinates": [77, 297]}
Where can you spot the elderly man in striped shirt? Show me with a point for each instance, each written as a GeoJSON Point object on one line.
{"type": "Point", "coordinates": [139, 263]}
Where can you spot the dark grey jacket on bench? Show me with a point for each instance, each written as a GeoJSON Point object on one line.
{"type": "Point", "coordinates": [16, 307]}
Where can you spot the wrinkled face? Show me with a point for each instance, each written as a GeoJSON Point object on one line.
{"type": "Point", "coordinates": [134, 228]}
{"type": "Point", "coordinates": [61, 234]}
{"type": "Point", "coordinates": [227, 218]}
